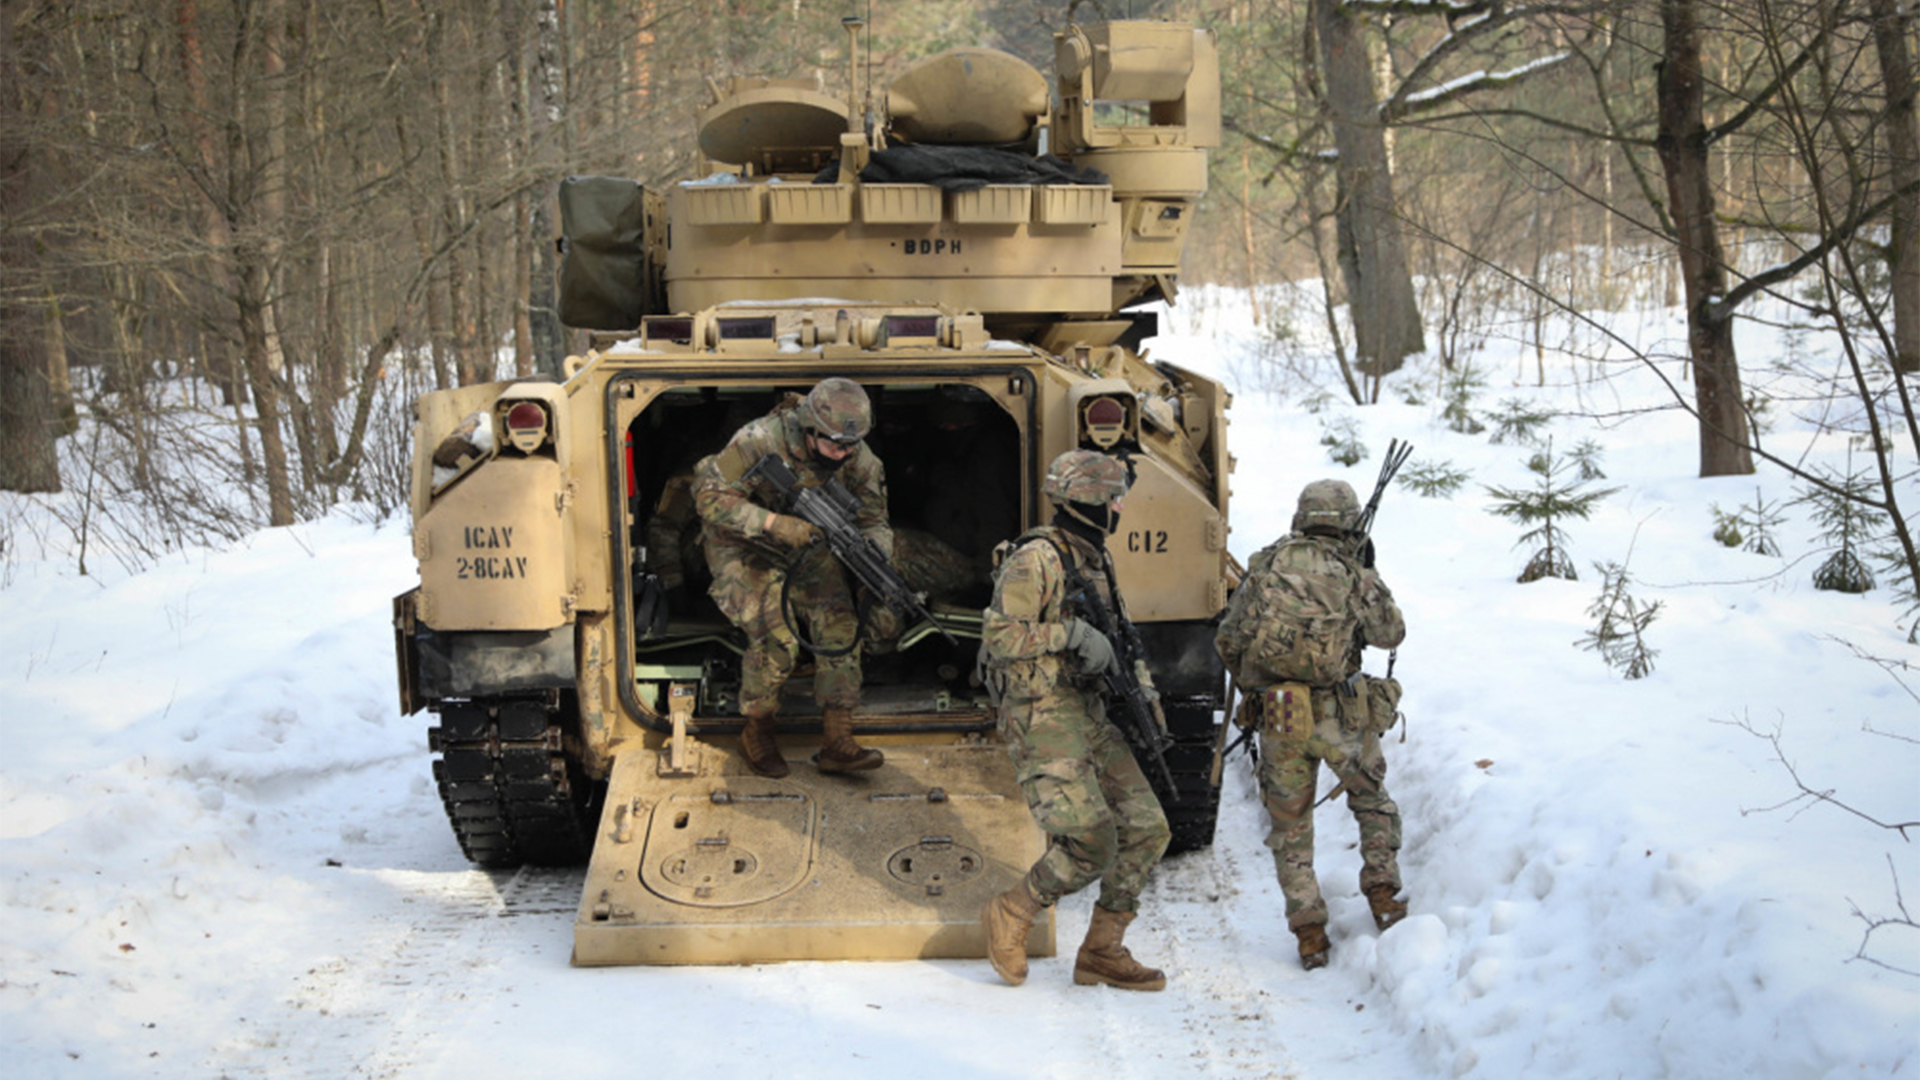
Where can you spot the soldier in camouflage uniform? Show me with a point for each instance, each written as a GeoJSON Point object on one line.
{"type": "Point", "coordinates": [1085, 789]}
{"type": "Point", "coordinates": [673, 538]}
{"type": "Point", "coordinates": [757, 553]}
{"type": "Point", "coordinates": [1308, 582]}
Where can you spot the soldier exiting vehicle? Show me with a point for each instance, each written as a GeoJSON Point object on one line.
{"type": "Point", "coordinates": [760, 557]}
{"type": "Point", "coordinates": [1087, 793]}
{"type": "Point", "coordinates": [1293, 637]}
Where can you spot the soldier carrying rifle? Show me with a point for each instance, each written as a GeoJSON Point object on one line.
{"type": "Point", "coordinates": [1293, 637]}
{"type": "Point", "coordinates": [1045, 661]}
{"type": "Point", "coordinates": [763, 559]}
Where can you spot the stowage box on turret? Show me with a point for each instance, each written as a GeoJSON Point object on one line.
{"type": "Point", "coordinates": [977, 257]}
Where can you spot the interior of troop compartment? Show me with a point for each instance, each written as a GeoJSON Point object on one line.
{"type": "Point", "coordinates": [954, 460]}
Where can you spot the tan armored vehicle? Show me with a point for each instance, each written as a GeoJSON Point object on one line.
{"type": "Point", "coordinates": [971, 257]}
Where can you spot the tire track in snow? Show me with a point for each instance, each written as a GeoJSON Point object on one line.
{"type": "Point", "coordinates": [384, 1009]}
{"type": "Point", "coordinates": [1219, 981]}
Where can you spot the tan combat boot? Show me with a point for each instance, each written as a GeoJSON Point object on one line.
{"type": "Point", "coordinates": [838, 752]}
{"type": "Point", "coordinates": [758, 745]}
{"type": "Point", "coordinates": [1007, 919]}
{"type": "Point", "coordinates": [1314, 946]}
{"type": "Point", "coordinates": [1103, 960]}
{"type": "Point", "coordinates": [1386, 910]}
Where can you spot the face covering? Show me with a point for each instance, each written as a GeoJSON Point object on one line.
{"type": "Point", "coordinates": [826, 463]}
{"type": "Point", "coordinates": [1096, 523]}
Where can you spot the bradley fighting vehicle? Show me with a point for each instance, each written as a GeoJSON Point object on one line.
{"type": "Point", "coordinates": [971, 246]}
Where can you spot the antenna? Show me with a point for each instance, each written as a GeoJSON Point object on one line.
{"type": "Point", "coordinates": [855, 112]}
{"type": "Point", "coordinates": [867, 101]}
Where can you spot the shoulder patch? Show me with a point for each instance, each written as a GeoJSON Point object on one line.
{"type": "Point", "coordinates": [1018, 590]}
{"type": "Point", "coordinates": [731, 462]}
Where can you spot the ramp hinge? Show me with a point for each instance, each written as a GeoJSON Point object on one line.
{"type": "Point", "coordinates": [677, 761]}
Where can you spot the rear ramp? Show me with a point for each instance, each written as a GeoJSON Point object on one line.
{"type": "Point", "coordinates": [698, 861]}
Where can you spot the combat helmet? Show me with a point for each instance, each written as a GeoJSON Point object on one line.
{"type": "Point", "coordinates": [1328, 506]}
{"type": "Point", "coordinates": [837, 409]}
{"type": "Point", "coordinates": [1085, 476]}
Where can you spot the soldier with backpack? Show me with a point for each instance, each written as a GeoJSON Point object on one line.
{"type": "Point", "coordinates": [1293, 637]}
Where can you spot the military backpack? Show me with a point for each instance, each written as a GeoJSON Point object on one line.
{"type": "Point", "coordinates": [1304, 620]}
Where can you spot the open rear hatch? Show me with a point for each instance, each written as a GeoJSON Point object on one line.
{"type": "Point", "coordinates": [699, 862]}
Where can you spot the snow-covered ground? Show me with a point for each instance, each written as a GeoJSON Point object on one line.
{"type": "Point", "coordinates": [221, 854]}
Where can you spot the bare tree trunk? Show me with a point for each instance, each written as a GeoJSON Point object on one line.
{"type": "Point", "coordinates": [549, 111]}
{"type": "Point", "coordinates": [272, 170]}
{"type": "Point", "coordinates": [27, 459]}
{"type": "Point", "coordinates": [221, 368]}
{"type": "Point", "coordinates": [248, 148]}
{"type": "Point", "coordinates": [1246, 233]}
{"type": "Point", "coordinates": [439, 335]}
{"type": "Point", "coordinates": [417, 216]}
{"type": "Point", "coordinates": [59, 370]}
{"type": "Point", "coordinates": [1892, 26]}
{"type": "Point", "coordinates": [518, 136]}
{"type": "Point", "coordinates": [1315, 214]}
{"type": "Point", "coordinates": [1385, 315]}
{"type": "Point", "coordinates": [453, 208]}
{"type": "Point", "coordinates": [1683, 145]}
{"type": "Point", "coordinates": [1608, 296]}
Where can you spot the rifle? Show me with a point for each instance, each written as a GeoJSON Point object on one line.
{"type": "Point", "coordinates": [1120, 682]}
{"type": "Point", "coordinates": [831, 509]}
{"type": "Point", "coordinates": [1397, 454]}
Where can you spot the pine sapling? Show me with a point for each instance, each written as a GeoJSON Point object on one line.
{"type": "Point", "coordinates": [1517, 422]}
{"type": "Point", "coordinates": [1843, 510]}
{"type": "Point", "coordinates": [1434, 480]}
{"type": "Point", "coordinates": [1756, 523]}
{"type": "Point", "coordinates": [1456, 395]}
{"type": "Point", "coordinates": [1553, 499]}
{"type": "Point", "coordinates": [1341, 437]}
{"type": "Point", "coordinates": [1586, 459]}
{"type": "Point", "coordinates": [1620, 635]}
{"type": "Point", "coordinates": [1726, 527]}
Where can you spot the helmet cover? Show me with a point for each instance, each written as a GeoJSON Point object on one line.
{"type": "Point", "coordinates": [1327, 506]}
{"type": "Point", "coordinates": [1085, 476]}
{"type": "Point", "coordinates": [838, 410]}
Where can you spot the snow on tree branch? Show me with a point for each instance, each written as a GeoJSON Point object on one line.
{"type": "Point", "coordinates": [1402, 106]}
{"type": "Point", "coordinates": [1453, 10]}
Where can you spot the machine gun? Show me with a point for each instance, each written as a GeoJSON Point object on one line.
{"type": "Point", "coordinates": [1120, 681]}
{"type": "Point", "coordinates": [831, 509]}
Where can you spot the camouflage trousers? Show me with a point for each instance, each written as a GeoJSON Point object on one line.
{"type": "Point", "coordinates": [1289, 777]}
{"type": "Point", "coordinates": [1088, 796]}
{"type": "Point", "coordinates": [747, 586]}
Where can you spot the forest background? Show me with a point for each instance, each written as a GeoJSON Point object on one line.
{"type": "Point", "coordinates": [239, 236]}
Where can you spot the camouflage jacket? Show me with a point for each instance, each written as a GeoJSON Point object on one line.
{"type": "Point", "coordinates": [1298, 571]}
{"type": "Point", "coordinates": [673, 531]}
{"type": "Point", "coordinates": [1024, 631]}
{"type": "Point", "coordinates": [733, 509]}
